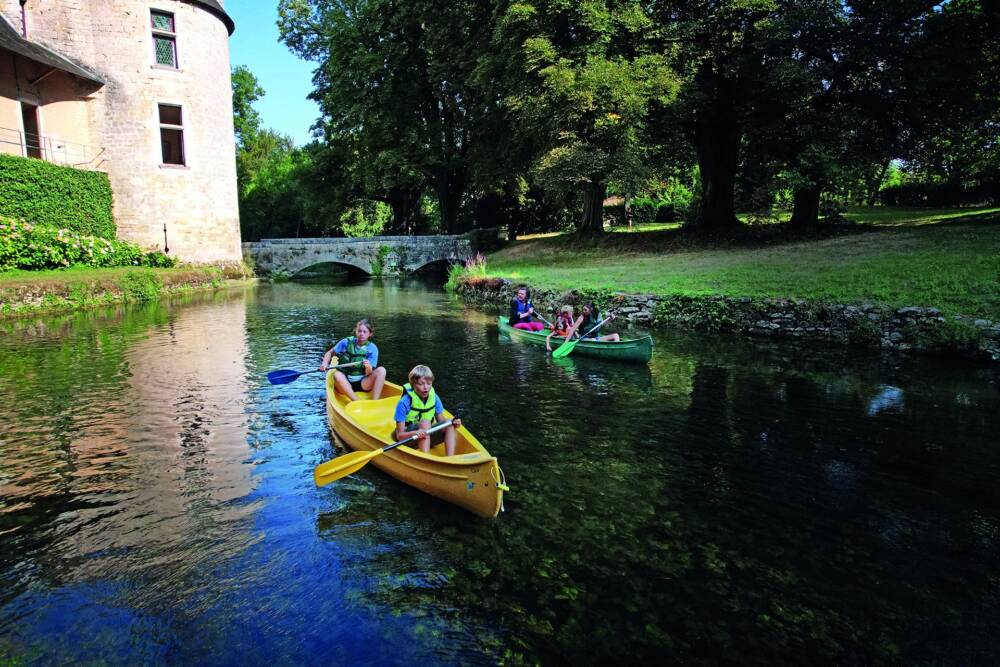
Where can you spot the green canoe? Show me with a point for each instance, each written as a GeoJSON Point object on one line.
{"type": "Point", "coordinates": [636, 350]}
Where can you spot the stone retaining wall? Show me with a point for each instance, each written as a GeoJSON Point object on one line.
{"type": "Point", "coordinates": [910, 328]}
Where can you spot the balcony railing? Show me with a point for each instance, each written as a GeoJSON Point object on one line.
{"type": "Point", "coordinates": [50, 149]}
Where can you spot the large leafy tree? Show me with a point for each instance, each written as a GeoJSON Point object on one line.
{"type": "Point", "coordinates": [396, 87]}
{"type": "Point", "coordinates": [579, 85]}
{"type": "Point", "coordinates": [958, 115]}
{"type": "Point", "coordinates": [726, 51]}
{"type": "Point", "coordinates": [246, 91]}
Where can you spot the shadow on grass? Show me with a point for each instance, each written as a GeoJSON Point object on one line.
{"type": "Point", "coordinates": [745, 235]}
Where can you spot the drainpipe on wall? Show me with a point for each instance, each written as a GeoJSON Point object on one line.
{"type": "Point", "coordinates": [24, 19]}
{"type": "Point", "coordinates": [165, 248]}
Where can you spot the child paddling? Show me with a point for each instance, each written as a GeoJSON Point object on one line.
{"type": "Point", "coordinates": [352, 349]}
{"type": "Point", "coordinates": [564, 326]}
{"type": "Point", "coordinates": [418, 404]}
{"type": "Point", "coordinates": [589, 319]}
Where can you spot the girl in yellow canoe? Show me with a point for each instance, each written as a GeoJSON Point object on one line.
{"type": "Point", "coordinates": [370, 377]}
{"type": "Point", "coordinates": [417, 406]}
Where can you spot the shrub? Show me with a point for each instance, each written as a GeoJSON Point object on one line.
{"type": "Point", "coordinates": [944, 336]}
{"type": "Point", "coordinates": [44, 193]}
{"type": "Point", "coordinates": [140, 286]}
{"type": "Point", "coordinates": [455, 274]}
{"type": "Point", "coordinates": [365, 219]}
{"type": "Point", "coordinates": [473, 270]}
{"type": "Point", "coordinates": [36, 247]}
{"type": "Point", "coordinates": [380, 264]}
{"type": "Point", "coordinates": [924, 193]}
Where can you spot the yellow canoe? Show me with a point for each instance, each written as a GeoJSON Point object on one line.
{"type": "Point", "coordinates": [470, 479]}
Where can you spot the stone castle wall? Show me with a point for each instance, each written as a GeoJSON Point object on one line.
{"type": "Point", "coordinates": [196, 202]}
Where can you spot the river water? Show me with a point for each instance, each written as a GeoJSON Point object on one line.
{"type": "Point", "coordinates": [733, 502]}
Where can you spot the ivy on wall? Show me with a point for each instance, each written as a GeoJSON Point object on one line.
{"type": "Point", "coordinates": [40, 192]}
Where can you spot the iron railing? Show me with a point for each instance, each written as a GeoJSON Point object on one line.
{"type": "Point", "coordinates": [50, 149]}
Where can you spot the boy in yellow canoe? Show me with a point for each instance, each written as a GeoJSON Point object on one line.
{"type": "Point", "coordinates": [418, 404]}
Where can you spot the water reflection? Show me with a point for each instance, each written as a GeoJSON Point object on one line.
{"type": "Point", "coordinates": [731, 502]}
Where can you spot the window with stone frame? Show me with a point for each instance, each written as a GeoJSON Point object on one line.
{"type": "Point", "coordinates": [172, 134]}
{"type": "Point", "coordinates": [164, 38]}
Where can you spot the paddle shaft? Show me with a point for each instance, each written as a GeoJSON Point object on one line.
{"type": "Point", "coordinates": [287, 375]}
{"type": "Point", "coordinates": [596, 327]}
{"type": "Point", "coordinates": [331, 368]}
{"type": "Point", "coordinates": [432, 429]}
{"type": "Point", "coordinates": [539, 316]}
{"type": "Point", "coordinates": [344, 465]}
{"type": "Point", "coordinates": [566, 348]}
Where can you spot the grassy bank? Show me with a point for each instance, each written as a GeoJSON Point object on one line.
{"type": "Point", "coordinates": [30, 292]}
{"type": "Point", "coordinates": [949, 259]}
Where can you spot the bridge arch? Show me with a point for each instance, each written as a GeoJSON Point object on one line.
{"type": "Point", "coordinates": [379, 255]}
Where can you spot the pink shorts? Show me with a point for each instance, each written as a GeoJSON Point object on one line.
{"type": "Point", "coordinates": [530, 326]}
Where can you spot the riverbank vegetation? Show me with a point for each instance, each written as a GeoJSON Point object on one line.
{"type": "Point", "coordinates": [41, 193]}
{"type": "Point", "coordinates": [37, 246]}
{"type": "Point", "coordinates": [682, 113]}
{"type": "Point", "coordinates": [933, 258]}
{"type": "Point", "coordinates": [33, 292]}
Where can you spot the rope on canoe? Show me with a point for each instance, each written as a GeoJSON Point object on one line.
{"type": "Point", "coordinates": [501, 483]}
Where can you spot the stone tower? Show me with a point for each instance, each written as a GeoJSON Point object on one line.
{"type": "Point", "coordinates": [161, 123]}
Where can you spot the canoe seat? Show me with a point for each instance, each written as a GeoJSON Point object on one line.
{"type": "Point", "coordinates": [377, 417]}
{"type": "Point", "coordinates": [374, 416]}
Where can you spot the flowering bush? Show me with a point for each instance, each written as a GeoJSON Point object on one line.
{"type": "Point", "coordinates": [476, 265]}
{"type": "Point", "coordinates": [473, 269]}
{"type": "Point", "coordinates": [34, 247]}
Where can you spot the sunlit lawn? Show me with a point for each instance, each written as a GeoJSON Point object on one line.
{"type": "Point", "coordinates": [79, 274]}
{"type": "Point", "coordinates": [944, 258]}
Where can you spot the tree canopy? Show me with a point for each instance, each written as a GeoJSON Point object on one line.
{"type": "Point", "coordinates": [528, 113]}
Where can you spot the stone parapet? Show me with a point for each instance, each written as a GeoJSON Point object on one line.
{"type": "Point", "coordinates": [380, 255]}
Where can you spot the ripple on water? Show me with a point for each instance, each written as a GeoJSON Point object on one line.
{"type": "Point", "coordinates": [157, 503]}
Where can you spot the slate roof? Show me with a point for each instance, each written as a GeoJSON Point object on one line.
{"type": "Point", "coordinates": [11, 40]}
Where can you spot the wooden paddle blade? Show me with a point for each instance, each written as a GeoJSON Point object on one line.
{"type": "Point", "coordinates": [283, 376]}
{"type": "Point", "coordinates": [342, 466]}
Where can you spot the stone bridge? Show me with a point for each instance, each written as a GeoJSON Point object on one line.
{"type": "Point", "coordinates": [377, 255]}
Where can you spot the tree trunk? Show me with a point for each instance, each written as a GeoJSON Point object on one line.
{"type": "Point", "coordinates": [717, 143]}
{"type": "Point", "coordinates": [805, 211]}
{"type": "Point", "coordinates": [592, 221]}
{"type": "Point", "coordinates": [449, 185]}
{"type": "Point", "coordinates": [404, 203]}
{"type": "Point", "coordinates": [876, 184]}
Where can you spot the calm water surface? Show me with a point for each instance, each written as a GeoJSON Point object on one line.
{"type": "Point", "coordinates": [731, 502]}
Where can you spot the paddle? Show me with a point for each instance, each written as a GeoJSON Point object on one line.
{"type": "Point", "coordinates": [286, 375]}
{"type": "Point", "coordinates": [538, 315]}
{"type": "Point", "coordinates": [342, 466]}
{"type": "Point", "coordinates": [566, 348]}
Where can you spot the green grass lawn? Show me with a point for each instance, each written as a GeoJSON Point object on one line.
{"type": "Point", "coordinates": [949, 259]}
{"type": "Point", "coordinates": [81, 274]}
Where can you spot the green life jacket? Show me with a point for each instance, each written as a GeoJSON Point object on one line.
{"type": "Point", "coordinates": [592, 321]}
{"type": "Point", "coordinates": [419, 408]}
{"type": "Point", "coordinates": [353, 353]}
